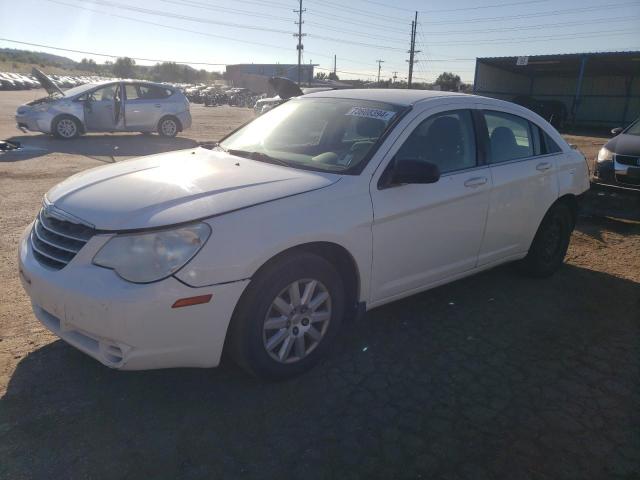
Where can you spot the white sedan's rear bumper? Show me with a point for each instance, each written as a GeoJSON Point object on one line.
{"type": "Point", "coordinates": [124, 325]}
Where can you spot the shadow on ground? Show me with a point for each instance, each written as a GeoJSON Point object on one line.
{"type": "Point", "coordinates": [601, 201]}
{"type": "Point", "coordinates": [103, 147]}
{"type": "Point", "coordinates": [494, 376]}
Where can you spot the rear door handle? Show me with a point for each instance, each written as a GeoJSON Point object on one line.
{"type": "Point", "coordinates": [543, 167]}
{"type": "Point", "coordinates": [475, 182]}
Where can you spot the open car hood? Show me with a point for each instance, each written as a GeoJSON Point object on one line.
{"type": "Point", "coordinates": [285, 88]}
{"type": "Point", "coordinates": [46, 82]}
{"type": "Point", "coordinates": [177, 187]}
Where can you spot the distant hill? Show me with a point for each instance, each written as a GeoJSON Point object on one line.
{"type": "Point", "coordinates": [37, 58]}
{"type": "Point", "coordinates": [22, 61]}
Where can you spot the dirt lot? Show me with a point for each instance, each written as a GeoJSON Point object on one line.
{"type": "Point", "coordinates": [494, 376]}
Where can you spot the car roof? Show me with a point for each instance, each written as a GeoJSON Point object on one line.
{"type": "Point", "coordinates": [389, 95]}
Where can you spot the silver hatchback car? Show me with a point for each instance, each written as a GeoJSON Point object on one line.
{"type": "Point", "coordinates": [110, 106]}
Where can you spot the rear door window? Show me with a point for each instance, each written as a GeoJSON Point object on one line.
{"type": "Point", "coordinates": [510, 137]}
{"type": "Point", "coordinates": [549, 145]}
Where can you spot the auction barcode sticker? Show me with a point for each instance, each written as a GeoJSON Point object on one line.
{"type": "Point", "coordinates": [385, 115]}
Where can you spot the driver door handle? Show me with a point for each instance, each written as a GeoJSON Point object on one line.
{"type": "Point", "coordinates": [475, 182]}
{"type": "Point", "coordinates": [157, 105]}
{"type": "Point", "coordinates": [543, 167]}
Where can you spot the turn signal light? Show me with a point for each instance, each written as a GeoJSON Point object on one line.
{"type": "Point", "coordinates": [186, 302]}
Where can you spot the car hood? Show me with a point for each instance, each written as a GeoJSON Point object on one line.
{"type": "Point", "coordinates": [177, 187]}
{"type": "Point", "coordinates": [625, 144]}
{"type": "Point", "coordinates": [46, 82]}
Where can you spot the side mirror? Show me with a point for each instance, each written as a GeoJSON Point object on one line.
{"type": "Point", "coordinates": [414, 171]}
{"type": "Point", "coordinates": [616, 131]}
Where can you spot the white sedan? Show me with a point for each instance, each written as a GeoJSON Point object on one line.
{"type": "Point", "coordinates": [327, 206]}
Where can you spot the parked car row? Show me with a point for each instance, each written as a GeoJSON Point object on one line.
{"type": "Point", "coordinates": [21, 81]}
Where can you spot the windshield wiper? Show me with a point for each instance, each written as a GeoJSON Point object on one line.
{"type": "Point", "coordinates": [259, 156]}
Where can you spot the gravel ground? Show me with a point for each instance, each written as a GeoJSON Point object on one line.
{"type": "Point", "coordinates": [493, 376]}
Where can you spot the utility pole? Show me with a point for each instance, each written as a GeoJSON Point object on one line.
{"type": "Point", "coordinates": [395, 77]}
{"type": "Point", "coordinates": [300, 47]}
{"type": "Point", "coordinates": [380, 62]}
{"type": "Point", "coordinates": [335, 62]}
{"type": "Point", "coordinates": [412, 51]}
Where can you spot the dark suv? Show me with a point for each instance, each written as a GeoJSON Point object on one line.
{"type": "Point", "coordinates": [618, 162]}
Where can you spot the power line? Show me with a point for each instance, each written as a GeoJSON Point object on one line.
{"type": "Point", "coordinates": [528, 27]}
{"type": "Point", "coordinates": [360, 12]}
{"type": "Point", "coordinates": [84, 52]}
{"type": "Point", "coordinates": [216, 8]}
{"type": "Point", "coordinates": [229, 24]}
{"type": "Point", "coordinates": [569, 36]}
{"type": "Point", "coordinates": [499, 5]}
{"type": "Point", "coordinates": [532, 15]}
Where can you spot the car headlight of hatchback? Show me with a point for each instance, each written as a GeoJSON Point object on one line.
{"type": "Point", "coordinates": [152, 256]}
{"type": "Point", "coordinates": [605, 155]}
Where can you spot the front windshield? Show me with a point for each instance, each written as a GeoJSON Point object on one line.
{"type": "Point", "coordinates": [78, 90]}
{"type": "Point", "coordinates": [634, 128]}
{"type": "Point", "coordinates": [334, 134]}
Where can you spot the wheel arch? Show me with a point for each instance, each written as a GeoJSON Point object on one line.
{"type": "Point", "coordinates": [333, 253]}
{"type": "Point", "coordinates": [571, 201]}
{"type": "Point", "coordinates": [172, 116]}
{"type": "Point", "coordinates": [83, 129]}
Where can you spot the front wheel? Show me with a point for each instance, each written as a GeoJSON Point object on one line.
{"type": "Point", "coordinates": [550, 244]}
{"type": "Point", "coordinates": [288, 318]}
{"type": "Point", "coordinates": [168, 127]}
{"type": "Point", "coordinates": [66, 127]}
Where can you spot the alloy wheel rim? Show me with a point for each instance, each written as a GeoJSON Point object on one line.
{"type": "Point", "coordinates": [169, 127]}
{"type": "Point", "coordinates": [297, 320]}
{"type": "Point", "coordinates": [66, 128]}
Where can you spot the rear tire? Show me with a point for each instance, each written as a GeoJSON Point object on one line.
{"type": "Point", "coordinates": [168, 127]}
{"type": "Point", "coordinates": [550, 243]}
{"type": "Point", "coordinates": [275, 344]}
{"type": "Point", "coordinates": [66, 127]}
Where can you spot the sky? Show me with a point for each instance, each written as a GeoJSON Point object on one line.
{"type": "Point", "coordinates": [210, 33]}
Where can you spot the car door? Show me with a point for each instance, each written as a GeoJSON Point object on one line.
{"type": "Point", "coordinates": [144, 106]}
{"type": "Point", "coordinates": [426, 233]}
{"type": "Point", "coordinates": [524, 185]}
{"type": "Point", "coordinates": [102, 108]}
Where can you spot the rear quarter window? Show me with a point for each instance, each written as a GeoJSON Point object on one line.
{"type": "Point", "coordinates": [148, 92]}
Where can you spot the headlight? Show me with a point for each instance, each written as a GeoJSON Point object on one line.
{"type": "Point", "coordinates": [152, 256]}
{"type": "Point", "coordinates": [605, 155]}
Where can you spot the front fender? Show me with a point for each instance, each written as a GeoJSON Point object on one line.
{"type": "Point", "coordinates": [244, 240]}
{"type": "Point", "coordinates": [67, 107]}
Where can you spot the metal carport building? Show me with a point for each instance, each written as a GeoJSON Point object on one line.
{"type": "Point", "coordinates": [598, 89]}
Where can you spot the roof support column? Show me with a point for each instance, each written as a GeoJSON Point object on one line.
{"type": "Point", "coordinates": [531, 80]}
{"type": "Point", "coordinates": [627, 100]}
{"type": "Point", "coordinates": [577, 99]}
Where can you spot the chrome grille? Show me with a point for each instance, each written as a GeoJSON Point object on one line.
{"type": "Point", "coordinates": [55, 242]}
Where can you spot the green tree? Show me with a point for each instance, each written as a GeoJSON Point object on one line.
{"type": "Point", "coordinates": [448, 81]}
{"type": "Point", "coordinates": [123, 67]}
{"type": "Point", "coordinates": [88, 64]}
